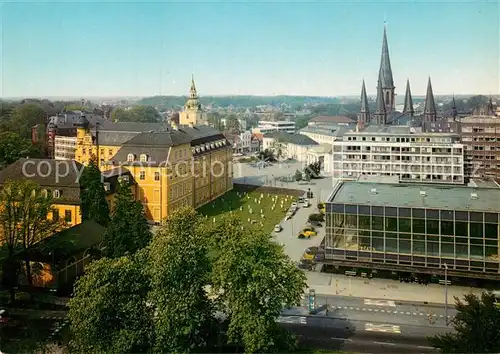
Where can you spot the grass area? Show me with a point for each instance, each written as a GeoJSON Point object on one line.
{"type": "Point", "coordinates": [248, 206]}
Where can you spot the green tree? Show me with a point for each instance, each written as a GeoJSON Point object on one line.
{"type": "Point", "coordinates": [24, 222]}
{"type": "Point", "coordinates": [128, 230]}
{"type": "Point", "coordinates": [109, 312]}
{"type": "Point", "coordinates": [298, 175]}
{"type": "Point", "coordinates": [232, 124]}
{"type": "Point", "coordinates": [476, 325]}
{"type": "Point", "coordinates": [256, 281]}
{"type": "Point", "coordinates": [142, 114]}
{"type": "Point", "coordinates": [75, 107]}
{"type": "Point", "coordinates": [24, 117]}
{"type": "Point", "coordinates": [307, 175]}
{"type": "Point", "coordinates": [314, 169]}
{"type": "Point", "coordinates": [214, 120]}
{"type": "Point", "coordinates": [180, 271]}
{"type": "Point", "coordinates": [13, 147]}
{"type": "Point", "coordinates": [92, 194]}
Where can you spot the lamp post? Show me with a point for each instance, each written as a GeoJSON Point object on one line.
{"type": "Point", "coordinates": [446, 293]}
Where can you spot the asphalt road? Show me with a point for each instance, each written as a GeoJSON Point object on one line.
{"type": "Point", "coordinates": [360, 336]}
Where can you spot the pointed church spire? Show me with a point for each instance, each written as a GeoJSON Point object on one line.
{"type": "Point", "coordinates": [491, 109]}
{"type": "Point", "coordinates": [192, 92]}
{"type": "Point", "coordinates": [385, 75]}
{"type": "Point", "coordinates": [408, 109]}
{"type": "Point", "coordinates": [430, 112]}
{"type": "Point", "coordinates": [364, 112]}
{"type": "Point", "coordinates": [454, 111]}
{"type": "Point", "coordinates": [380, 114]}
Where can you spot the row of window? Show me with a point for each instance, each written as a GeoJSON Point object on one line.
{"type": "Point", "coordinates": [67, 215]}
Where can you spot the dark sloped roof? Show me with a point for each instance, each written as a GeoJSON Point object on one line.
{"type": "Point", "coordinates": [364, 100]}
{"type": "Point", "coordinates": [66, 243]}
{"type": "Point", "coordinates": [385, 72]}
{"type": "Point", "coordinates": [45, 172]}
{"type": "Point", "coordinates": [297, 139]}
{"type": "Point", "coordinates": [332, 119]}
{"type": "Point", "coordinates": [201, 134]}
{"type": "Point", "coordinates": [115, 138]}
{"type": "Point", "coordinates": [408, 108]}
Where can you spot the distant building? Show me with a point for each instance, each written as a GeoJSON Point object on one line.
{"type": "Point", "coordinates": [420, 229]}
{"type": "Point", "coordinates": [266, 126]}
{"type": "Point", "coordinates": [329, 120]}
{"type": "Point", "coordinates": [326, 134]}
{"type": "Point", "coordinates": [64, 147]}
{"type": "Point", "coordinates": [399, 150]}
{"type": "Point", "coordinates": [292, 146]}
{"type": "Point", "coordinates": [481, 138]}
{"type": "Point", "coordinates": [193, 114]}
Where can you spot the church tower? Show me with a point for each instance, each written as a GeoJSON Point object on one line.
{"type": "Point", "coordinates": [364, 112]}
{"type": "Point", "coordinates": [454, 111]}
{"type": "Point", "coordinates": [380, 115]}
{"type": "Point", "coordinates": [385, 79]}
{"type": "Point", "coordinates": [193, 113]}
{"type": "Point", "coordinates": [430, 113]}
{"type": "Point", "coordinates": [408, 109]}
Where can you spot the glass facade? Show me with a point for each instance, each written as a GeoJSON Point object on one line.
{"type": "Point", "coordinates": [409, 236]}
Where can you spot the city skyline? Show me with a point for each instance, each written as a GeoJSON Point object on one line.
{"type": "Point", "coordinates": [314, 49]}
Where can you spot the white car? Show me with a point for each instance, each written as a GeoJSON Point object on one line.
{"type": "Point", "coordinates": [277, 228]}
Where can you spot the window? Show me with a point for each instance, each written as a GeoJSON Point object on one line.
{"type": "Point", "coordinates": [55, 214]}
{"type": "Point", "coordinates": [110, 152]}
{"type": "Point", "coordinates": [84, 151]}
{"type": "Point", "coordinates": [142, 175]}
{"type": "Point", "coordinates": [130, 157]}
{"type": "Point", "coordinates": [157, 176]}
{"type": "Point", "coordinates": [67, 216]}
{"type": "Point", "coordinates": [56, 194]}
{"type": "Point", "coordinates": [144, 158]}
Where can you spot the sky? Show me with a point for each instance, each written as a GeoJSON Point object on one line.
{"type": "Point", "coordinates": [316, 48]}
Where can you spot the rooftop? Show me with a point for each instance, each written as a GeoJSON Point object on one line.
{"type": "Point", "coordinates": [332, 119]}
{"type": "Point", "coordinates": [333, 130]}
{"type": "Point", "coordinates": [417, 196]}
{"type": "Point", "coordinates": [392, 130]}
{"type": "Point", "coordinates": [297, 139]}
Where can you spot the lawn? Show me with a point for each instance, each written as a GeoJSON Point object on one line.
{"type": "Point", "coordinates": [262, 209]}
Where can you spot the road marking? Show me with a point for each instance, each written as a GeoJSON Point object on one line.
{"type": "Point", "coordinates": [387, 328]}
{"type": "Point", "coordinates": [380, 302]}
{"type": "Point", "coordinates": [441, 316]}
{"type": "Point", "coordinates": [351, 308]}
{"type": "Point", "coordinates": [395, 312]}
{"type": "Point", "coordinates": [421, 313]}
{"type": "Point", "coordinates": [357, 308]}
{"type": "Point", "coordinates": [292, 319]}
{"type": "Point", "coordinates": [408, 313]}
{"type": "Point", "coordinates": [424, 347]}
{"type": "Point", "coordinates": [342, 339]}
{"type": "Point", "coordinates": [370, 309]}
{"type": "Point", "coordinates": [414, 314]}
{"type": "Point", "coordinates": [384, 343]}
{"type": "Point", "coordinates": [382, 310]}
{"type": "Point", "coordinates": [345, 307]}
{"type": "Point", "coordinates": [376, 310]}
{"type": "Point", "coordinates": [363, 309]}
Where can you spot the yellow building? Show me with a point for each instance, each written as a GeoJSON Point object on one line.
{"type": "Point", "coordinates": [60, 180]}
{"type": "Point", "coordinates": [172, 166]}
{"type": "Point", "coordinates": [193, 114]}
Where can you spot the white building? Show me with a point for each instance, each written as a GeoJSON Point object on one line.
{"type": "Point", "coordinates": [64, 147]}
{"type": "Point", "coordinates": [400, 150]}
{"type": "Point", "coordinates": [292, 146]}
{"type": "Point", "coordinates": [266, 126]}
{"type": "Point", "coordinates": [325, 134]}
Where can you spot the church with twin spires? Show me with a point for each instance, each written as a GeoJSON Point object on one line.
{"type": "Point", "coordinates": [385, 105]}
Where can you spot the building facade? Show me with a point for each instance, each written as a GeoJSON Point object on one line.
{"type": "Point", "coordinates": [414, 228]}
{"type": "Point", "coordinates": [480, 136]}
{"type": "Point", "coordinates": [266, 126]}
{"type": "Point", "coordinates": [289, 146]}
{"type": "Point", "coordinates": [400, 151]}
{"type": "Point", "coordinates": [64, 147]}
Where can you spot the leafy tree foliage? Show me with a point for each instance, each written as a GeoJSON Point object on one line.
{"type": "Point", "coordinates": [232, 124]}
{"type": "Point", "coordinates": [13, 147]}
{"type": "Point", "coordinates": [266, 155]}
{"type": "Point", "coordinates": [477, 327]}
{"type": "Point", "coordinates": [128, 230]}
{"type": "Point", "coordinates": [143, 114]}
{"type": "Point", "coordinates": [180, 271]}
{"type": "Point", "coordinates": [93, 197]}
{"type": "Point", "coordinates": [298, 175]}
{"type": "Point", "coordinates": [109, 312]}
{"type": "Point", "coordinates": [24, 117]}
{"type": "Point", "coordinates": [256, 281]}
{"type": "Point", "coordinates": [314, 169]}
{"type": "Point", "coordinates": [24, 222]}
{"type": "Point", "coordinates": [214, 120]}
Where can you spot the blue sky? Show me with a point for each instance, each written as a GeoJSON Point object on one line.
{"type": "Point", "coordinates": [310, 48]}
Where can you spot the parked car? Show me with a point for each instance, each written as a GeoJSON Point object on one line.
{"type": "Point", "coordinates": [300, 200]}
{"type": "Point", "coordinates": [277, 228]}
{"type": "Point", "coordinates": [295, 205]}
{"type": "Point", "coordinates": [303, 235]}
{"type": "Point", "coordinates": [309, 230]}
{"type": "Point", "coordinates": [306, 203]}
{"type": "Point", "coordinates": [288, 216]}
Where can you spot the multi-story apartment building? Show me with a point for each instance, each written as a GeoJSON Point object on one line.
{"type": "Point", "coordinates": [401, 151]}
{"type": "Point", "coordinates": [266, 126]}
{"type": "Point", "coordinates": [325, 134]}
{"type": "Point", "coordinates": [481, 139]}
{"type": "Point", "coordinates": [414, 228]}
{"type": "Point", "coordinates": [64, 147]}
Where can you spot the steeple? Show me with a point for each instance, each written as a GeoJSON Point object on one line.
{"type": "Point", "coordinates": [385, 75]}
{"type": "Point", "coordinates": [454, 111]}
{"type": "Point", "coordinates": [364, 112]}
{"type": "Point", "coordinates": [491, 109]}
{"type": "Point", "coordinates": [380, 115]}
{"type": "Point", "coordinates": [408, 109]}
{"type": "Point", "coordinates": [430, 113]}
{"type": "Point", "coordinates": [192, 91]}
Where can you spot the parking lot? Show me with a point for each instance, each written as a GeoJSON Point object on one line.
{"type": "Point", "coordinates": [294, 247]}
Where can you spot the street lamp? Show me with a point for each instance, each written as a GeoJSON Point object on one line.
{"type": "Point", "coordinates": [446, 293]}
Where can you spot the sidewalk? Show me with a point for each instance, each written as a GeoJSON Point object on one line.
{"type": "Point", "coordinates": [336, 284]}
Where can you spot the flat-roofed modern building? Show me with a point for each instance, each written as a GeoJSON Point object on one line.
{"type": "Point", "coordinates": [276, 126]}
{"type": "Point", "coordinates": [414, 228]}
{"type": "Point", "coordinates": [404, 151]}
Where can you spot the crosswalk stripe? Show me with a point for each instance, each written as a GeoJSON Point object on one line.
{"type": "Point", "coordinates": [373, 302]}
{"type": "Point", "coordinates": [387, 328]}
